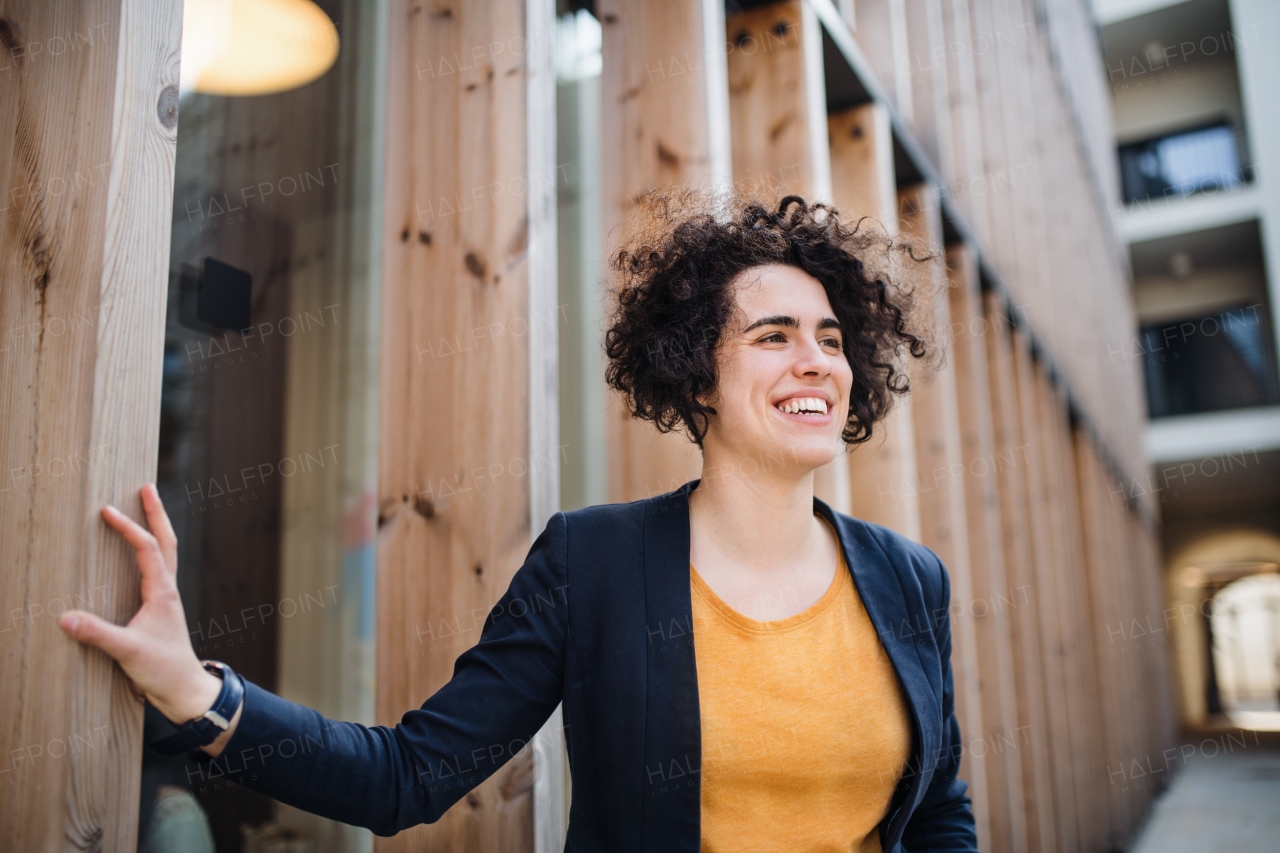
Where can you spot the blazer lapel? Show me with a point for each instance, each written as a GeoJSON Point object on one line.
{"type": "Point", "coordinates": [884, 598]}
{"type": "Point", "coordinates": [672, 802]}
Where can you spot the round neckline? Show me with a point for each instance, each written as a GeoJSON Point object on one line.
{"type": "Point", "coordinates": [774, 626]}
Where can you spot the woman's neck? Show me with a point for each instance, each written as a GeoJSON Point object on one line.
{"type": "Point", "coordinates": [759, 519]}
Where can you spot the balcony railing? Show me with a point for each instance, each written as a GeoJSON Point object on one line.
{"type": "Point", "coordinates": [1181, 163]}
{"type": "Point", "coordinates": [1208, 363]}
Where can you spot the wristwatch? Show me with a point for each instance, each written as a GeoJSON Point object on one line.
{"type": "Point", "coordinates": [205, 729]}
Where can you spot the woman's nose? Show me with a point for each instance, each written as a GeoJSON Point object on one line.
{"type": "Point", "coordinates": [811, 358]}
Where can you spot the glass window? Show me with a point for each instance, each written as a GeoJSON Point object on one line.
{"type": "Point", "coordinates": [1181, 163]}
{"type": "Point", "coordinates": [1209, 363]}
{"type": "Point", "coordinates": [267, 458]}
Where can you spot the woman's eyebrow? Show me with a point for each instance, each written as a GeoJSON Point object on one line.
{"type": "Point", "coordinates": [775, 320]}
{"type": "Point", "coordinates": [791, 322]}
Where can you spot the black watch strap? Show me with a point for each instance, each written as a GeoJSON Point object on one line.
{"type": "Point", "coordinates": [205, 729]}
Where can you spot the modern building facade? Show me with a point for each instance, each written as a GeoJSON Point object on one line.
{"type": "Point", "coordinates": [419, 236]}
{"type": "Point", "coordinates": [1194, 103]}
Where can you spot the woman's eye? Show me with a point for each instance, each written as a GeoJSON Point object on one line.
{"type": "Point", "coordinates": [834, 342]}
{"type": "Point", "coordinates": [775, 336]}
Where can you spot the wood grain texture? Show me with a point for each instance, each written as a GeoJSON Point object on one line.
{"type": "Point", "coordinates": [883, 484]}
{"type": "Point", "coordinates": [1113, 733]}
{"type": "Point", "coordinates": [1065, 535]}
{"type": "Point", "coordinates": [1054, 636]}
{"type": "Point", "coordinates": [657, 130]}
{"type": "Point", "coordinates": [88, 106]}
{"type": "Point", "coordinates": [778, 118]}
{"type": "Point", "coordinates": [770, 110]}
{"type": "Point", "coordinates": [935, 416]}
{"type": "Point", "coordinates": [454, 459]}
{"type": "Point", "coordinates": [1026, 630]}
{"type": "Point", "coordinates": [993, 596]}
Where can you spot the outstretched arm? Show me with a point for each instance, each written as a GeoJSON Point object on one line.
{"type": "Point", "coordinates": [384, 778]}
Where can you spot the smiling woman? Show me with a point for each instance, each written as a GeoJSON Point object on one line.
{"type": "Point", "coordinates": [680, 276]}
{"type": "Point", "coordinates": [772, 336]}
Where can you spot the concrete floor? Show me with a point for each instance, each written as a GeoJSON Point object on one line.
{"type": "Point", "coordinates": [1218, 802]}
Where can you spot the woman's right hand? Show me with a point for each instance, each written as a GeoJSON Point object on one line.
{"type": "Point", "coordinates": [154, 649]}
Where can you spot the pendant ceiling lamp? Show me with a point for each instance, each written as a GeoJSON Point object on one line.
{"type": "Point", "coordinates": [254, 47]}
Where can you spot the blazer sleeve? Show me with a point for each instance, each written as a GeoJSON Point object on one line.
{"type": "Point", "coordinates": [388, 778]}
{"type": "Point", "coordinates": [944, 819]}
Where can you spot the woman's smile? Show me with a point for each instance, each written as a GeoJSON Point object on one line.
{"type": "Point", "coordinates": [809, 409]}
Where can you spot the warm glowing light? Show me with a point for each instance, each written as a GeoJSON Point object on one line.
{"type": "Point", "coordinates": [254, 47]}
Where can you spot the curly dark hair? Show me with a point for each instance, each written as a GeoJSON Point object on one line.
{"type": "Point", "coordinates": [674, 296]}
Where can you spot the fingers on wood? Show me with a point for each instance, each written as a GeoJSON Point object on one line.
{"type": "Point", "coordinates": [146, 545]}
{"type": "Point", "coordinates": [157, 518]}
{"type": "Point", "coordinates": [97, 632]}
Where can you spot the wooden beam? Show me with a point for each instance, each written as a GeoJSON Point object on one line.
{"type": "Point", "coordinates": [456, 504]}
{"type": "Point", "coordinates": [1068, 574]}
{"type": "Point", "coordinates": [935, 416]}
{"type": "Point", "coordinates": [883, 484]}
{"type": "Point", "coordinates": [1101, 573]}
{"type": "Point", "coordinates": [1044, 592]}
{"type": "Point", "coordinates": [777, 103]}
{"type": "Point", "coordinates": [1012, 457]}
{"type": "Point", "coordinates": [994, 597]}
{"type": "Point", "coordinates": [778, 118]}
{"type": "Point", "coordinates": [664, 122]}
{"type": "Point", "coordinates": [882, 34]}
{"type": "Point", "coordinates": [88, 159]}
{"type": "Point", "coordinates": [960, 160]}
{"type": "Point", "coordinates": [927, 53]}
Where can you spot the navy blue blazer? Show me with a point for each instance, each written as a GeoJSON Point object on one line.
{"type": "Point", "coordinates": [599, 618]}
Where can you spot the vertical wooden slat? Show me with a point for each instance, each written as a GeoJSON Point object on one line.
{"type": "Point", "coordinates": [1012, 456]}
{"type": "Point", "coordinates": [663, 123]}
{"type": "Point", "coordinates": [927, 52]}
{"type": "Point", "coordinates": [993, 595]}
{"type": "Point", "coordinates": [935, 415]}
{"type": "Point", "coordinates": [777, 111]}
{"type": "Point", "coordinates": [961, 160]}
{"type": "Point", "coordinates": [882, 33]}
{"type": "Point", "coordinates": [1053, 648]}
{"type": "Point", "coordinates": [89, 108]}
{"type": "Point", "coordinates": [1069, 576]}
{"type": "Point", "coordinates": [774, 126]}
{"type": "Point", "coordinates": [1100, 575]}
{"type": "Point", "coordinates": [883, 484]}
{"type": "Point", "coordinates": [456, 268]}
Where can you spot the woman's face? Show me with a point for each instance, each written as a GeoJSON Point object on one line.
{"type": "Point", "coordinates": [783, 381]}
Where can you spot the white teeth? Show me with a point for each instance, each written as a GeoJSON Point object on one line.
{"type": "Point", "coordinates": [798, 404]}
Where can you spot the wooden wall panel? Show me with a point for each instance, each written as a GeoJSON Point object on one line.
{"type": "Point", "coordinates": [777, 120]}
{"type": "Point", "coordinates": [883, 482]}
{"type": "Point", "coordinates": [961, 160]}
{"type": "Point", "coordinates": [449, 539]}
{"type": "Point", "coordinates": [882, 34]}
{"type": "Point", "coordinates": [1034, 743]}
{"type": "Point", "coordinates": [663, 123]}
{"type": "Point", "coordinates": [777, 106]}
{"type": "Point", "coordinates": [935, 417]}
{"type": "Point", "coordinates": [1044, 593]}
{"type": "Point", "coordinates": [84, 252]}
{"type": "Point", "coordinates": [1099, 548]}
{"type": "Point", "coordinates": [994, 597]}
{"type": "Point", "coordinates": [1083, 719]}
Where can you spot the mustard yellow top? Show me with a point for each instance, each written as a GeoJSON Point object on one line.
{"type": "Point", "coordinates": [805, 729]}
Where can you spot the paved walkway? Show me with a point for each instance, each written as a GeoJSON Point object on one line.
{"type": "Point", "coordinates": [1226, 802]}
